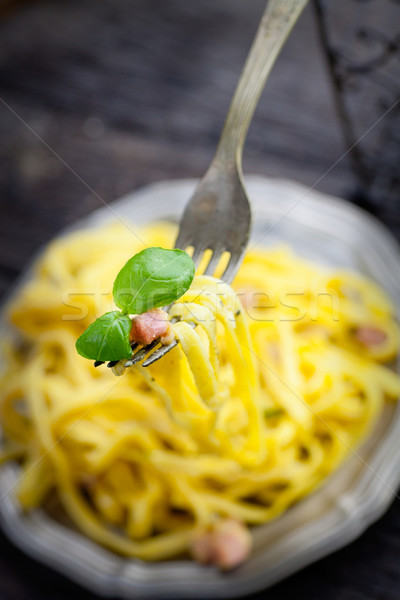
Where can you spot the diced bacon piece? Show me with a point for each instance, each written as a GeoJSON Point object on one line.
{"type": "Point", "coordinates": [252, 299]}
{"type": "Point", "coordinates": [274, 351]}
{"type": "Point", "coordinates": [232, 543]}
{"type": "Point", "coordinates": [246, 298]}
{"type": "Point", "coordinates": [370, 336]}
{"type": "Point", "coordinates": [226, 545]}
{"type": "Point", "coordinates": [202, 547]}
{"type": "Point", "coordinates": [149, 326]}
{"type": "Point", "coordinates": [89, 480]}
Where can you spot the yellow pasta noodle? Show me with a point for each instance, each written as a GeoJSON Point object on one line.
{"type": "Point", "coordinates": [257, 404]}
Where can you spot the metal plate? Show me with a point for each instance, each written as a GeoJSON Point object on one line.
{"type": "Point", "coordinates": [328, 231]}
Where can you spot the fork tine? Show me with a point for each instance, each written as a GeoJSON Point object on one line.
{"type": "Point", "coordinates": [112, 363]}
{"type": "Point", "coordinates": [182, 241]}
{"type": "Point", "coordinates": [213, 262]}
{"type": "Point", "coordinates": [231, 268]}
{"type": "Point", "coordinates": [197, 254]}
{"type": "Point", "coordinates": [142, 353]}
{"type": "Point", "coordinates": [159, 353]}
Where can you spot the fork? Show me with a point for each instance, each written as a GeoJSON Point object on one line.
{"type": "Point", "coordinates": [218, 216]}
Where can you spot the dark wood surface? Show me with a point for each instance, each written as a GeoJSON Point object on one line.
{"type": "Point", "coordinates": [100, 97]}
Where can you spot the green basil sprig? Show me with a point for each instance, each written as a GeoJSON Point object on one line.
{"type": "Point", "coordinates": [107, 338]}
{"type": "Point", "coordinates": [152, 278]}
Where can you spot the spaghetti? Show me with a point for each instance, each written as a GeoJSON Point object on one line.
{"type": "Point", "coordinates": [251, 411]}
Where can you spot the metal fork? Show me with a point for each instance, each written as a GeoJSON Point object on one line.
{"type": "Point", "coordinates": [218, 216]}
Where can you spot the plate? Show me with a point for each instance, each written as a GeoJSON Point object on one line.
{"type": "Point", "coordinates": [321, 228]}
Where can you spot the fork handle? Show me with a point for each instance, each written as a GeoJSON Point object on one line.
{"type": "Point", "coordinates": [277, 21]}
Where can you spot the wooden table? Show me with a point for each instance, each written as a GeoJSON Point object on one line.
{"type": "Point", "coordinates": [99, 98]}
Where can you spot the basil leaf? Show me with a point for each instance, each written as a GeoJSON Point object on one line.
{"type": "Point", "coordinates": [107, 338]}
{"type": "Point", "coordinates": [153, 278]}
{"type": "Point", "coordinates": [270, 413]}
